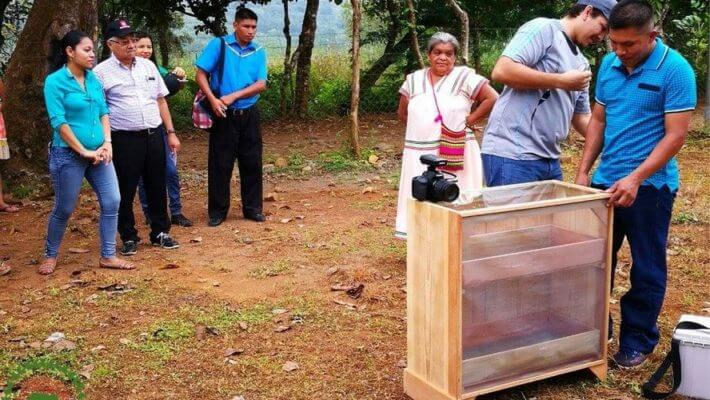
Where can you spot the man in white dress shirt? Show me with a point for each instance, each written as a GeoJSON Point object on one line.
{"type": "Point", "coordinates": [139, 116]}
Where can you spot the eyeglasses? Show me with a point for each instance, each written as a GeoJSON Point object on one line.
{"type": "Point", "coordinates": [124, 43]}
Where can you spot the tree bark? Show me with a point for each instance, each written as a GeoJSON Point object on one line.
{"type": "Point", "coordinates": [463, 17]}
{"type": "Point", "coordinates": [24, 109]}
{"type": "Point", "coordinates": [416, 50]}
{"type": "Point", "coordinates": [397, 51]}
{"type": "Point", "coordinates": [288, 66]}
{"type": "Point", "coordinates": [355, 87]}
{"type": "Point", "coordinates": [164, 45]}
{"type": "Point", "coordinates": [303, 65]}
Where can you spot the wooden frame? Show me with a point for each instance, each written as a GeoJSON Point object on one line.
{"type": "Point", "coordinates": [540, 238]}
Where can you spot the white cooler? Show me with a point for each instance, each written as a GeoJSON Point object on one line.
{"type": "Point", "coordinates": [690, 358]}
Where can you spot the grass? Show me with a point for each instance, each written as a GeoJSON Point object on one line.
{"type": "Point", "coordinates": [276, 268]}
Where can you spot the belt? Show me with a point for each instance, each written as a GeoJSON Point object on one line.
{"type": "Point", "coordinates": [148, 131]}
{"type": "Point", "coordinates": [238, 112]}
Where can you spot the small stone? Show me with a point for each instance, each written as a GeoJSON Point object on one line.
{"type": "Point", "coordinates": [55, 337]}
{"type": "Point", "coordinates": [282, 328]}
{"type": "Point", "coordinates": [197, 239]}
{"type": "Point", "coordinates": [247, 240]}
{"type": "Point", "coordinates": [237, 398]}
{"type": "Point", "coordinates": [332, 270]}
{"type": "Point", "coordinates": [368, 189]}
{"type": "Point", "coordinates": [124, 341]}
{"type": "Point", "coordinates": [290, 366]}
{"type": "Point", "coordinates": [233, 352]}
{"type": "Point", "coordinates": [243, 326]}
{"type": "Point", "coordinates": [271, 197]}
{"type": "Point", "coordinates": [672, 252]}
{"type": "Point", "coordinates": [402, 363]}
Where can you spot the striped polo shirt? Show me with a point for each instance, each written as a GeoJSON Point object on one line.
{"type": "Point", "coordinates": [636, 104]}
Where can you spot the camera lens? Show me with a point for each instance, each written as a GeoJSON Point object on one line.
{"type": "Point", "coordinates": [444, 190]}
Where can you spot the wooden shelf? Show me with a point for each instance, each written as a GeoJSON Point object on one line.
{"type": "Point", "coordinates": [511, 349]}
{"type": "Point", "coordinates": [529, 251]}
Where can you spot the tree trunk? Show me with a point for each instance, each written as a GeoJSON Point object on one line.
{"type": "Point", "coordinates": [416, 50]}
{"type": "Point", "coordinates": [288, 70]}
{"type": "Point", "coordinates": [3, 7]}
{"type": "Point", "coordinates": [303, 65]}
{"type": "Point", "coordinates": [24, 109]}
{"type": "Point", "coordinates": [370, 77]}
{"type": "Point", "coordinates": [707, 94]}
{"type": "Point", "coordinates": [164, 44]}
{"type": "Point", "coordinates": [463, 17]}
{"type": "Point", "coordinates": [477, 45]}
{"type": "Point", "coordinates": [355, 87]}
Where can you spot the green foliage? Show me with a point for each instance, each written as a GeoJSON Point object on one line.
{"type": "Point", "coordinates": [43, 365]}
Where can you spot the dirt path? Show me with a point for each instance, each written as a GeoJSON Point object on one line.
{"type": "Point", "coordinates": [265, 289]}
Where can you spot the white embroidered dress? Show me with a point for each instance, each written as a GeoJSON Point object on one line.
{"type": "Point", "coordinates": [455, 93]}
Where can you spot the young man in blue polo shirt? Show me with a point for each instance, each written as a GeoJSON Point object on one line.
{"type": "Point", "coordinates": [236, 130]}
{"type": "Point", "coordinates": [645, 97]}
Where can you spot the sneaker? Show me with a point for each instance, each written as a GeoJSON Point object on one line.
{"type": "Point", "coordinates": [130, 247]}
{"type": "Point", "coordinates": [165, 241]}
{"type": "Point", "coordinates": [629, 359]}
{"type": "Point", "coordinates": [180, 220]}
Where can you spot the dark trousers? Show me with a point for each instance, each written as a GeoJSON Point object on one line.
{"type": "Point", "coordinates": [139, 155]}
{"type": "Point", "coordinates": [645, 225]}
{"type": "Point", "coordinates": [235, 138]}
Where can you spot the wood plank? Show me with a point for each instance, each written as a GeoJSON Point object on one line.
{"type": "Point", "coordinates": [532, 205]}
{"type": "Point", "coordinates": [533, 377]}
{"type": "Point", "coordinates": [434, 295]}
{"type": "Point", "coordinates": [510, 365]}
{"type": "Point", "coordinates": [418, 389]}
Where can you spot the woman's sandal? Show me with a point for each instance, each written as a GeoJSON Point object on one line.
{"type": "Point", "coordinates": [122, 265]}
{"type": "Point", "coordinates": [47, 267]}
{"type": "Point", "coordinates": [4, 268]}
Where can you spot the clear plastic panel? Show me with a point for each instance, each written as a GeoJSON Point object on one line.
{"type": "Point", "coordinates": [523, 193]}
{"type": "Point", "coordinates": [533, 291]}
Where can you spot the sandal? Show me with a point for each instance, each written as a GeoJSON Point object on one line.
{"type": "Point", "coordinates": [9, 208]}
{"type": "Point", "coordinates": [5, 268]}
{"type": "Point", "coordinates": [122, 265]}
{"type": "Point", "coordinates": [47, 267]}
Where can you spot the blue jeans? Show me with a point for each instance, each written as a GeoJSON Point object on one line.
{"type": "Point", "coordinates": [172, 181]}
{"type": "Point", "coordinates": [68, 170]}
{"type": "Point", "coordinates": [645, 224]}
{"type": "Point", "coordinates": [500, 171]}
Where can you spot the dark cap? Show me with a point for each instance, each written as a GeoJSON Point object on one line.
{"type": "Point", "coordinates": [118, 28]}
{"type": "Point", "coordinates": [604, 6]}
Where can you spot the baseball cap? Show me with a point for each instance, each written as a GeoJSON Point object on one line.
{"type": "Point", "coordinates": [604, 6]}
{"type": "Point", "coordinates": [118, 28]}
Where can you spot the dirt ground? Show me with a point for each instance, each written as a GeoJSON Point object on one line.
{"type": "Point", "coordinates": [237, 306]}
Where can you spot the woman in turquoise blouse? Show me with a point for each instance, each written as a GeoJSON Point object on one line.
{"type": "Point", "coordinates": [80, 147]}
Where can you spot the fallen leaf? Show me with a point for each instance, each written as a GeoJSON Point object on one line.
{"type": "Point", "coordinates": [368, 189]}
{"type": "Point", "coordinates": [286, 220]}
{"type": "Point", "coordinates": [387, 277]}
{"type": "Point", "coordinates": [237, 398]}
{"type": "Point", "coordinates": [216, 284]}
{"type": "Point", "coordinates": [55, 337]}
{"type": "Point", "coordinates": [332, 270]}
{"type": "Point", "coordinates": [282, 328]}
{"type": "Point", "coordinates": [341, 288]}
{"type": "Point", "coordinates": [290, 366]}
{"type": "Point", "coordinates": [300, 217]}
{"type": "Point", "coordinates": [64, 345]}
{"type": "Point", "coordinates": [197, 239]}
{"type": "Point", "coordinates": [355, 292]}
{"type": "Point", "coordinates": [373, 159]}
{"type": "Point", "coordinates": [170, 266]}
{"type": "Point", "coordinates": [98, 348]}
{"type": "Point", "coordinates": [346, 304]}
{"type": "Point", "coordinates": [77, 250]}
{"type": "Point", "coordinates": [271, 197]}
{"type": "Point", "coordinates": [86, 371]}
{"type": "Point", "coordinates": [233, 352]}
{"type": "Point", "coordinates": [124, 341]}
{"type": "Point", "coordinates": [17, 339]}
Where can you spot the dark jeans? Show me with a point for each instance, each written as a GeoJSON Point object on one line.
{"type": "Point", "coordinates": [645, 224]}
{"type": "Point", "coordinates": [172, 180]}
{"type": "Point", "coordinates": [500, 171]}
{"type": "Point", "coordinates": [139, 155]}
{"type": "Point", "coordinates": [235, 138]}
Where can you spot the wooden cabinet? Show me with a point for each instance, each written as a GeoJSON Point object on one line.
{"type": "Point", "coordinates": [510, 289]}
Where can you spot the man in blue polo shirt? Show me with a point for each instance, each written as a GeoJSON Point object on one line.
{"type": "Point", "coordinates": [645, 97]}
{"type": "Point", "coordinates": [236, 130]}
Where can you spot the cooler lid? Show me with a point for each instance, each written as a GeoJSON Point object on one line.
{"type": "Point", "coordinates": [699, 337]}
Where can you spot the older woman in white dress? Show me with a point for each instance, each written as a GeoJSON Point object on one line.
{"type": "Point", "coordinates": [437, 103]}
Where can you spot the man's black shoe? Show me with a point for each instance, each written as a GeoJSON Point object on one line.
{"type": "Point", "coordinates": [180, 220]}
{"type": "Point", "coordinates": [130, 247]}
{"type": "Point", "coordinates": [165, 241]}
{"type": "Point", "coordinates": [215, 221]}
{"type": "Point", "coordinates": [258, 217]}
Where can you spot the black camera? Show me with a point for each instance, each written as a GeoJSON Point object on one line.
{"type": "Point", "coordinates": [432, 185]}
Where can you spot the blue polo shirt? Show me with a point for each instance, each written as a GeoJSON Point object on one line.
{"type": "Point", "coordinates": [80, 108]}
{"type": "Point", "coordinates": [243, 66]}
{"type": "Point", "coordinates": [636, 105]}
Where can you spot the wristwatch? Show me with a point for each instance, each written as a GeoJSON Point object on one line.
{"type": "Point", "coordinates": [171, 131]}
